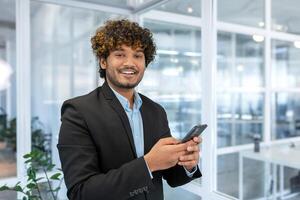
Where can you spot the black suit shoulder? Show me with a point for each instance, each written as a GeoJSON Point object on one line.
{"type": "Point", "coordinates": [82, 102]}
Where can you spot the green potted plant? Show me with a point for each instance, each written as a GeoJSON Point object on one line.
{"type": "Point", "coordinates": [2, 128]}
{"type": "Point", "coordinates": [38, 188]}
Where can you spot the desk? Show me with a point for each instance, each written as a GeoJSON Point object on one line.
{"type": "Point", "coordinates": [277, 155]}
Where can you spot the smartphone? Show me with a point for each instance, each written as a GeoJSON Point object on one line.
{"type": "Point", "coordinates": [194, 132]}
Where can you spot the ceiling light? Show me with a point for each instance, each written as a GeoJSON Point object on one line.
{"type": "Point", "coordinates": [278, 27]}
{"type": "Point", "coordinates": [240, 68]}
{"type": "Point", "coordinates": [168, 52]}
{"type": "Point", "coordinates": [297, 44]}
{"type": "Point", "coordinates": [190, 9]}
{"type": "Point", "coordinates": [258, 38]}
{"type": "Point", "coordinates": [261, 24]}
{"type": "Point", "coordinates": [191, 53]}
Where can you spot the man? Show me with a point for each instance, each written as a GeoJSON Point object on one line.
{"type": "Point", "coordinates": [115, 143]}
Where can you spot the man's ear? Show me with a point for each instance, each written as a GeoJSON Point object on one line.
{"type": "Point", "coordinates": [103, 63]}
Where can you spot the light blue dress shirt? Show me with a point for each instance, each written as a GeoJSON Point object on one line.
{"type": "Point", "coordinates": [136, 123]}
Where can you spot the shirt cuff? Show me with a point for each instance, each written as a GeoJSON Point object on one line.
{"type": "Point", "coordinates": [190, 174]}
{"type": "Point", "coordinates": [150, 173]}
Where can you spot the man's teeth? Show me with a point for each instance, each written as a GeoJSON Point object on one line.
{"type": "Point", "coordinates": [128, 72]}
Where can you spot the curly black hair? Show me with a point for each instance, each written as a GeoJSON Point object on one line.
{"type": "Point", "coordinates": [115, 33]}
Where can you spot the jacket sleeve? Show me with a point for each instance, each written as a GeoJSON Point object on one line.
{"type": "Point", "coordinates": [176, 176]}
{"type": "Point", "coordinates": [80, 164]}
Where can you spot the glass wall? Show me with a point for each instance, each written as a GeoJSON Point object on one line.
{"type": "Point", "coordinates": [63, 65]}
{"type": "Point", "coordinates": [257, 94]}
{"type": "Point", "coordinates": [7, 89]}
{"type": "Point", "coordinates": [244, 12]}
{"type": "Point", "coordinates": [285, 75]}
{"type": "Point", "coordinates": [168, 79]}
{"type": "Point", "coordinates": [174, 79]}
{"type": "Point", "coordinates": [240, 105]}
{"type": "Point", "coordinates": [285, 16]}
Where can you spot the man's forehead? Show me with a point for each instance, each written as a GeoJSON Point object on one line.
{"type": "Point", "coordinates": [124, 47]}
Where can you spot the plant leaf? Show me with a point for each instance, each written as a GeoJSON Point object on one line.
{"type": "Point", "coordinates": [55, 176]}
{"type": "Point", "coordinates": [56, 189]}
{"type": "Point", "coordinates": [27, 155]}
{"type": "Point", "coordinates": [31, 185]}
{"type": "Point", "coordinates": [38, 179]}
{"type": "Point", "coordinates": [4, 187]}
{"type": "Point", "coordinates": [18, 188]}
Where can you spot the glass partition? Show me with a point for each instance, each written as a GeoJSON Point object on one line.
{"type": "Point", "coordinates": [63, 65]}
{"type": "Point", "coordinates": [240, 118]}
{"type": "Point", "coordinates": [285, 115]}
{"type": "Point", "coordinates": [187, 7]}
{"type": "Point", "coordinates": [8, 120]}
{"type": "Point", "coordinates": [178, 66]}
{"type": "Point", "coordinates": [240, 102]}
{"type": "Point", "coordinates": [285, 16]}
{"type": "Point", "coordinates": [174, 79]}
{"type": "Point", "coordinates": [240, 61]}
{"type": "Point", "coordinates": [285, 64]}
{"type": "Point", "coordinates": [244, 12]}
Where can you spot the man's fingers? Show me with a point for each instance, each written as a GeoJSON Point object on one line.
{"type": "Point", "coordinates": [188, 157]}
{"type": "Point", "coordinates": [194, 141]}
{"type": "Point", "coordinates": [188, 163]}
{"type": "Point", "coordinates": [180, 147]}
{"type": "Point", "coordinates": [197, 140]}
{"type": "Point", "coordinates": [192, 148]}
{"type": "Point", "coordinates": [169, 140]}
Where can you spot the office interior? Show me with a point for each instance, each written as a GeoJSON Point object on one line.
{"type": "Point", "coordinates": [231, 64]}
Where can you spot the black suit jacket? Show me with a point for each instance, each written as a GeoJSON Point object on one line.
{"type": "Point", "coordinates": [97, 151]}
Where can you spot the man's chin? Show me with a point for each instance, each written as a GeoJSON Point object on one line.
{"type": "Point", "coordinates": [127, 85]}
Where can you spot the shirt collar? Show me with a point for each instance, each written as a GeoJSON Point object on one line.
{"type": "Point", "coordinates": [137, 103]}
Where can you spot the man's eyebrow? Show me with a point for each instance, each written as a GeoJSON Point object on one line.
{"type": "Point", "coordinates": [118, 49]}
{"type": "Point", "coordinates": [140, 50]}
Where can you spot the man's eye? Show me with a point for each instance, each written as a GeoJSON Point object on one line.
{"type": "Point", "coordinates": [139, 56]}
{"type": "Point", "coordinates": [119, 55]}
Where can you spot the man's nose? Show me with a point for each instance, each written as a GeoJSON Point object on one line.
{"type": "Point", "coordinates": [129, 61]}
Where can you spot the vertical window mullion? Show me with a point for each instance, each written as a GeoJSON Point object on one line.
{"type": "Point", "coordinates": [268, 94]}
{"type": "Point", "coordinates": [23, 85]}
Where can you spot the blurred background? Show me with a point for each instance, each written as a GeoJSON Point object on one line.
{"type": "Point", "coordinates": [232, 64]}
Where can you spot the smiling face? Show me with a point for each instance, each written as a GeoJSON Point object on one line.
{"type": "Point", "coordinates": [124, 67]}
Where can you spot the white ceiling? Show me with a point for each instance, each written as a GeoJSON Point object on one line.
{"type": "Point", "coordinates": [284, 11]}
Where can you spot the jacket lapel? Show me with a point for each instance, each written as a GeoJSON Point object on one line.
{"type": "Point", "coordinates": [116, 105]}
{"type": "Point", "coordinates": [149, 136]}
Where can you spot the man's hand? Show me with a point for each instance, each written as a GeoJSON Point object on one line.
{"type": "Point", "coordinates": [191, 157]}
{"type": "Point", "coordinates": [165, 154]}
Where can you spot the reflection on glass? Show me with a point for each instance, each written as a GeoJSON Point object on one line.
{"type": "Point", "coordinates": [8, 113]}
{"type": "Point", "coordinates": [228, 176]}
{"type": "Point", "coordinates": [187, 7]}
{"type": "Point", "coordinates": [290, 20]}
{"type": "Point", "coordinates": [244, 12]}
{"type": "Point", "coordinates": [240, 116]}
{"type": "Point", "coordinates": [285, 64]}
{"type": "Point", "coordinates": [63, 65]}
{"type": "Point", "coordinates": [174, 80]}
{"type": "Point", "coordinates": [286, 115]}
{"type": "Point", "coordinates": [240, 61]}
